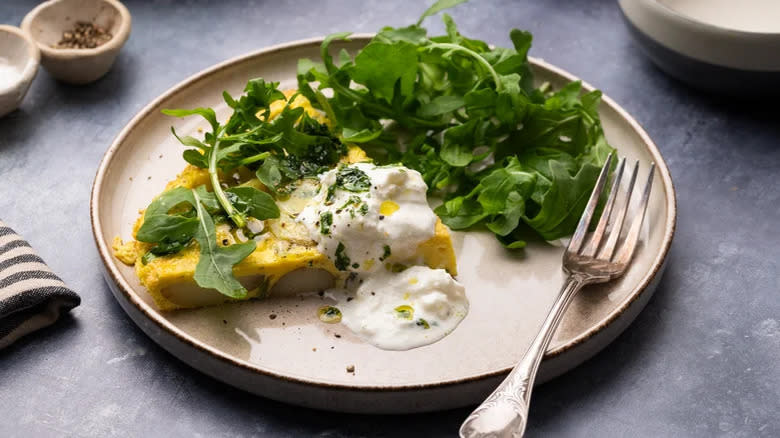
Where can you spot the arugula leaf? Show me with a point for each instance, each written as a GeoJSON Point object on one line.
{"type": "Point", "coordinates": [503, 194]}
{"type": "Point", "coordinates": [455, 154]}
{"type": "Point", "coordinates": [460, 213]}
{"type": "Point", "coordinates": [325, 54]}
{"type": "Point", "coordinates": [167, 228]}
{"type": "Point", "coordinates": [195, 158]}
{"type": "Point", "coordinates": [211, 155]}
{"type": "Point", "coordinates": [167, 201]}
{"type": "Point", "coordinates": [459, 142]}
{"type": "Point", "coordinates": [189, 141]}
{"type": "Point", "coordinates": [270, 173]}
{"type": "Point", "coordinates": [169, 223]}
{"type": "Point", "coordinates": [206, 113]}
{"type": "Point", "coordinates": [258, 97]}
{"type": "Point", "coordinates": [522, 41]}
{"type": "Point", "coordinates": [208, 199]}
{"type": "Point", "coordinates": [365, 135]}
{"type": "Point", "coordinates": [254, 203]}
{"type": "Point", "coordinates": [215, 265]}
{"type": "Point", "coordinates": [397, 62]}
{"type": "Point", "coordinates": [496, 186]}
{"type": "Point", "coordinates": [441, 105]}
{"type": "Point", "coordinates": [480, 102]}
{"type": "Point", "coordinates": [509, 216]}
{"type": "Point", "coordinates": [413, 34]}
{"type": "Point", "coordinates": [562, 204]}
{"type": "Point", "coordinates": [511, 241]}
{"type": "Point", "coordinates": [438, 7]}
{"type": "Point", "coordinates": [422, 155]}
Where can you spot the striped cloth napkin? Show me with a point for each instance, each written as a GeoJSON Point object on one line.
{"type": "Point", "coordinates": [31, 296]}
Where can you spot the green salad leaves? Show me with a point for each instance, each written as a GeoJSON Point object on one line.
{"type": "Point", "coordinates": [501, 152]}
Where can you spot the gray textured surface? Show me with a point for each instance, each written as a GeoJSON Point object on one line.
{"type": "Point", "coordinates": [701, 360]}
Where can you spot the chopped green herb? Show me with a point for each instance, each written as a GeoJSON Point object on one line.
{"type": "Point", "coordinates": [330, 195]}
{"type": "Point", "coordinates": [352, 179]}
{"type": "Point", "coordinates": [342, 260]}
{"type": "Point", "coordinates": [387, 253]}
{"type": "Point", "coordinates": [353, 200]}
{"type": "Point", "coordinates": [395, 267]}
{"type": "Point", "coordinates": [423, 323]}
{"type": "Point", "coordinates": [326, 220]}
{"type": "Point", "coordinates": [148, 257]}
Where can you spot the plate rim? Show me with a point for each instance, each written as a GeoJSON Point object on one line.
{"type": "Point", "coordinates": [111, 270]}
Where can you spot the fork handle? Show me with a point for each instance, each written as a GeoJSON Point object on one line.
{"type": "Point", "coordinates": [505, 412]}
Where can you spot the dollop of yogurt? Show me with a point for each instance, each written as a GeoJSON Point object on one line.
{"type": "Point", "coordinates": [366, 216]}
{"type": "Point", "coordinates": [370, 221]}
{"type": "Point", "coordinates": [404, 310]}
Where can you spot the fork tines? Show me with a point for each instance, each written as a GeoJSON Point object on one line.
{"type": "Point", "coordinates": [611, 224]}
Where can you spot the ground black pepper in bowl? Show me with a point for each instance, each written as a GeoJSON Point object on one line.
{"type": "Point", "coordinates": [84, 36]}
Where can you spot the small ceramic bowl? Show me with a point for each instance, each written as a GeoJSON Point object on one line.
{"type": "Point", "coordinates": [724, 46]}
{"type": "Point", "coordinates": [47, 22]}
{"type": "Point", "coordinates": [19, 59]}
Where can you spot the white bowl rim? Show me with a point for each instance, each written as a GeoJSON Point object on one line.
{"type": "Point", "coordinates": [151, 314]}
{"type": "Point", "coordinates": [696, 22]}
{"type": "Point", "coordinates": [33, 52]}
{"type": "Point", "coordinates": [115, 43]}
{"type": "Point", "coordinates": [729, 41]}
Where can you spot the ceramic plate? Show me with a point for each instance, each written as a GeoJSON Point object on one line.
{"type": "Point", "coordinates": [295, 358]}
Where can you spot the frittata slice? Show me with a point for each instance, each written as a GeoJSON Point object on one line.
{"type": "Point", "coordinates": [285, 249]}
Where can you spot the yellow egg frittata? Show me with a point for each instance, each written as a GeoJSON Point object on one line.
{"type": "Point", "coordinates": [285, 249]}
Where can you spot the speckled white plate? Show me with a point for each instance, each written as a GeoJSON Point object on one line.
{"type": "Point", "coordinates": [294, 357]}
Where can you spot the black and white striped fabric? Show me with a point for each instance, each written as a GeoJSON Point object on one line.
{"type": "Point", "coordinates": [31, 296]}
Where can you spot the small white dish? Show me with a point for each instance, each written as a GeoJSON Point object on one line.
{"type": "Point", "coordinates": [19, 59]}
{"type": "Point", "coordinates": [718, 45]}
{"type": "Point", "coordinates": [47, 22]}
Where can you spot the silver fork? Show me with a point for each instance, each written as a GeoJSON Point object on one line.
{"type": "Point", "coordinates": [505, 412]}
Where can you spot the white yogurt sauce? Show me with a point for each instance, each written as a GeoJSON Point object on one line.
{"type": "Point", "coordinates": [369, 219]}
{"type": "Point", "coordinates": [366, 216]}
{"type": "Point", "coordinates": [404, 310]}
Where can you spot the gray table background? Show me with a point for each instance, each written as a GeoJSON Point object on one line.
{"type": "Point", "coordinates": [701, 360]}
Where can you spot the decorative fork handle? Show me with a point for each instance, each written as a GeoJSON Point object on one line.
{"type": "Point", "coordinates": [505, 411]}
